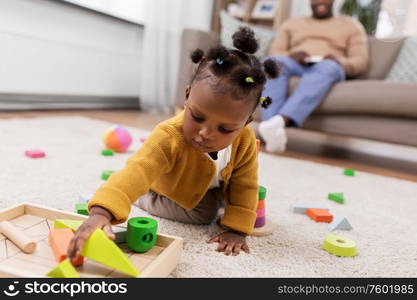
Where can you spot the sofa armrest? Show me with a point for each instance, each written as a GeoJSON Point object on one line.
{"type": "Point", "coordinates": [191, 40]}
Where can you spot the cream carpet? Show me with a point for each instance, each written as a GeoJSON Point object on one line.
{"type": "Point", "coordinates": [382, 211]}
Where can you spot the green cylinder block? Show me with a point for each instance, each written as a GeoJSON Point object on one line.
{"type": "Point", "coordinates": [261, 193]}
{"type": "Point", "coordinates": [141, 233]}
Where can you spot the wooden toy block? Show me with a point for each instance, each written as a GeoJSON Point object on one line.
{"type": "Point", "coordinates": [100, 248]}
{"type": "Point", "coordinates": [319, 215]}
{"type": "Point", "coordinates": [337, 197]}
{"type": "Point", "coordinates": [85, 197]}
{"type": "Point", "coordinates": [141, 233]}
{"type": "Point", "coordinates": [17, 236]}
{"type": "Point", "coordinates": [349, 172]}
{"type": "Point", "coordinates": [35, 153]}
{"type": "Point", "coordinates": [106, 174]}
{"type": "Point", "coordinates": [82, 208]}
{"type": "Point", "coordinates": [63, 270]}
{"type": "Point", "coordinates": [71, 224]}
{"type": "Point", "coordinates": [15, 263]}
{"type": "Point", "coordinates": [59, 240]}
{"type": "Point", "coordinates": [120, 233]}
{"type": "Point", "coordinates": [340, 223]}
{"type": "Point", "coordinates": [339, 246]}
{"type": "Point", "coordinates": [301, 208]}
{"type": "Point", "coordinates": [107, 152]}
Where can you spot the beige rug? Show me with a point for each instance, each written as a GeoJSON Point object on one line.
{"type": "Point", "coordinates": [382, 211]}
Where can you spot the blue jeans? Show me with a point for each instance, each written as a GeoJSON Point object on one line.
{"type": "Point", "coordinates": [315, 82]}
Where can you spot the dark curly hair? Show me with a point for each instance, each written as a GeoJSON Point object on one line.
{"type": "Point", "coordinates": [238, 71]}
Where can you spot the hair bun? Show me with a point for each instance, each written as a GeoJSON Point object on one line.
{"type": "Point", "coordinates": [197, 55]}
{"type": "Point", "coordinates": [271, 68]}
{"type": "Point", "coordinates": [244, 40]}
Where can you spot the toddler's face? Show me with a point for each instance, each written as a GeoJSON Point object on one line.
{"type": "Point", "coordinates": [213, 121]}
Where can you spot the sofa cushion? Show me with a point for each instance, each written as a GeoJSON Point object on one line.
{"type": "Point", "coordinates": [382, 54]}
{"type": "Point", "coordinates": [393, 130]}
{"type": "Point", "coordinates": [374, 97]}
{"type": "Point", "coordinates": [230, 25]}
{"type": "Point", "coordinates": [405, 66]}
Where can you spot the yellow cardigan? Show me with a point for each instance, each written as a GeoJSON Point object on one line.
{"type": "Point", "coordinates": [171, 167]}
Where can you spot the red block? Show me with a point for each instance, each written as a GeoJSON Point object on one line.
{"type": "Point", "coordinates": [320, 215]}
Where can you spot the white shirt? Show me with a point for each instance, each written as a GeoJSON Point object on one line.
{"type": "Point", "coordinates": [223, 158]}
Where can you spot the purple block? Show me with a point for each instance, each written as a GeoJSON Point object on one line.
{"type": "Point", "coordinates": [260, 222]}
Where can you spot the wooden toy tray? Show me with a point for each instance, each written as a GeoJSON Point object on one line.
{"type": "Point", "coordinates": [36, 222]}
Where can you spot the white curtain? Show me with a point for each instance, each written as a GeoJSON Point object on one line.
{"type": "Point", "coordinates": [164, 22]}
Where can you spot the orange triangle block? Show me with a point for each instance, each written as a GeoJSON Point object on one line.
{"type": "Point", "coordinates": [100, 248]}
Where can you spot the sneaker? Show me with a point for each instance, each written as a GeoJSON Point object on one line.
{"type": "Point", "coordinates": [273, 133]}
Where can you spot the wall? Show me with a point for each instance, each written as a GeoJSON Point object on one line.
{"type": "Point", "coordinates": [52, 48]}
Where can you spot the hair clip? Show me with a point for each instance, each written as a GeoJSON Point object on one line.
{"type": "Point", "coordinates": [249, 79]}
{"type": "Point", "coordinates": [265, 101]}
{"type": "Point", "coordinates": [219, 61]}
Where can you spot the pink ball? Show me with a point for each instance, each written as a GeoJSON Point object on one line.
{"type": "Point", "coordinates": [117, 138]}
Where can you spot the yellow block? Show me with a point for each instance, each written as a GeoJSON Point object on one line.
{"type": "Point", "coordinates": [339, 246]}
{"type": "Point", "coordinates": [100, 248]}
{"type": "Point", "coordinates": [72, 224]}
{"type": "Point", "coordinates": [63, 270]}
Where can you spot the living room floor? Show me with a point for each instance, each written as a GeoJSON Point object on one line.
{"type": "Point", "coordinates": [135, 118]}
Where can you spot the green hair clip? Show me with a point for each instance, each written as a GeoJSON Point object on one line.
{"type": "Point", "coordinates": [249, 79]}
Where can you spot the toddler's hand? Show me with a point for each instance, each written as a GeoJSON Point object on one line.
{"type": "Point", "coordinates": [230, 242]}
{"type": "Point", "coordinates": [99, 218]}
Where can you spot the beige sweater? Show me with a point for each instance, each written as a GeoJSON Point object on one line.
{"type": "Point", "coordinates": [340, 36]}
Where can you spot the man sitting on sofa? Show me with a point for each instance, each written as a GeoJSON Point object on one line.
{"type": "Point", "coordinates": [322, 50]}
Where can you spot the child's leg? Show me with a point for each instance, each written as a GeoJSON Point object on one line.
{"type": "Point", "coordinates": [204, 213]}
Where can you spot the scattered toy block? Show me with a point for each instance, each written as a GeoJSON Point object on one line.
{"type": "Point", "coordinates": [142, 140]}
{"type": "Point", "coordinates": [71, 224]}
{"type": "Point", "coordinates": [106, 174]}
{"type": "Point", "coordinates": [120, 233]}
{"type": "Point", "coordinates": [337, 197]}
{"type": "Point", "coordinates": [59, 240]}
{"type": "Point", "coordinates": [339, 246]}
{"type": "Point", "coordinates": [82, 209]}
{"type": "Point", "coordinates": [17, 236]}
{"type": "Point", "coordinates": [63, 270]}
{"type": "Point", "coordinates": [301, 208]}
{"type": "Point", "coordinates": [107, 152]}
{"type": "Point", "coordinates": [340, 223]}
{"type": "Point", "coordinates": [100, 248]}
{"type": "Point", "coordinates": [319, 215]}
{"type": "Point", "coordinates": [349, 172]}
{"type": "Point", "coordinates": [35, 153]}
{"type": "Point", "coordinates": [85, 197]}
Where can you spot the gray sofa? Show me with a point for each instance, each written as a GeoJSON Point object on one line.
{"type": "Point", "coordinates": [364, 107]}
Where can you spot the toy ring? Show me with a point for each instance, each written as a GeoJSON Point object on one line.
{"type": "Point", "coordinates": [339, 246]}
